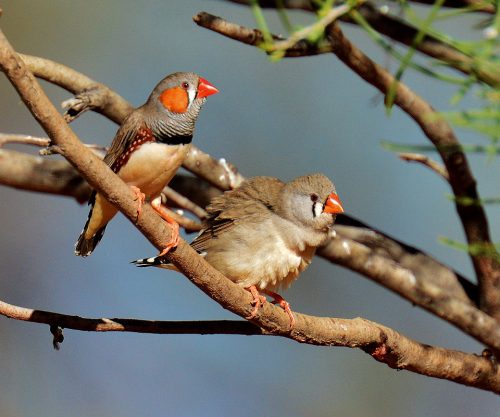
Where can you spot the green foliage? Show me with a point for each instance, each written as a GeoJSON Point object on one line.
{"type": "Point", "coordinates": [474, 249]}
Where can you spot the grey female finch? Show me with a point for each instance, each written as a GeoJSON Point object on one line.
{"type": "Point", "coordinates": [263, 234]}
{"type": "Point", "coordinates": [147, 150]}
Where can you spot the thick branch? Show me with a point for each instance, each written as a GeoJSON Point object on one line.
{"type": "Point", "coordinates": [383, 344]}
{"type": "Point", "coordinates": [416, 287]}
{"type": "Point", "coordinates": [28, 172]}
{"type": "Point", "coordinates": [99, 96]}
{"type": "Point", "coordinates": [405, 270]}
{"type": "Point", "coordinates": [439, 132]}
{"type": "Point", "coordinates": [220, 174]}
{"type": "Point", "coordinates": [34, 173]}
{"type": "Point", "coordinates": [463, 184]}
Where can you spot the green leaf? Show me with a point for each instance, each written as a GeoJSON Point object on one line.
{"type": "Point", "coordinates": [476, 249]}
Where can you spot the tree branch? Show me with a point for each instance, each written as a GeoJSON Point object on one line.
{"type": "Point", "coordinates": [438, 131]}
{"type": "Point", "coordinates": [223, 177]}
{"type": "Point", "coordinates": [310, 5]}
{"type": "Point", "coordinates": [389, 25]}
{"type": "Point", "coordinates": [33, 173]}
{"type": "Point", "coordinates": [418, 288]}
{"type": "Point", "coordinates": [425, 160]}
{"type": "Point", "coordinates": [383, 344]}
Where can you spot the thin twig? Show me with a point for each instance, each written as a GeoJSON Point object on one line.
{"type": "Point", "coordinates": [183, 202]}
{"type": "Point", "coordinates": [6, 138]}
{"type": "Point", "coordinates": [302, 34]}
{"type": "Point", "coordinates": [388, 25]}
{"type": "Point", "coordinates": [425, 160]}
{"type": "Point", "coordinates": [188, 224]}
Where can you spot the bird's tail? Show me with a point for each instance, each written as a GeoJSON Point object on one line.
{"type": "Point", "coordinates": [84, 246]}
{"type": "Point", "coordinates": [157, 261]}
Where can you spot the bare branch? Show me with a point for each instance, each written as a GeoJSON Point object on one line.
{"type": "Point", "coordinates": [383, 344]}
{"type": "Point", "coordinates": [79, 84]}
{"type": "Point", "coordinates": [438, 131]}
{"type": "Point", "coordinates": [402, 269]}
{"type": "Point", "coordinates": [183, 202]}
{"type": "Point", "coordinates": [189, 225]}
{"type": "Point", "coordinates": [34, 173]}
{"type": "Point", "coordinates": [6, 138]}
{"type": "Point", "coordinates": [417, 288]}
{"type": "Point", "coordinates": [425, 160]}
{"type": "Point", "coordinates": [129, 325]}
{"type": "Point", "coordinates": [221, 174]}
{"type": "Point", "coordinates": [421, 264]}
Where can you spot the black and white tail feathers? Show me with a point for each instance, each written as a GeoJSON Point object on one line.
{"type": "Point", "coordinates": [157, 261]}
{"type": "Point", "coordinates": [83, 246]}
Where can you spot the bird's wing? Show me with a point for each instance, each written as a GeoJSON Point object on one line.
{"type": "Point", "coordinates": [255, 197]}
{"type": "Point", "coordinates": [123, 138]}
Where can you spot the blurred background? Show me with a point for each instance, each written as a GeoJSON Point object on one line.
{"type": "Point", "coordinates": [281, 119]}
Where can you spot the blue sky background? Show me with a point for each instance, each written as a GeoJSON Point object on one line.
{"type": "Point", "coordinates": [282, 119]}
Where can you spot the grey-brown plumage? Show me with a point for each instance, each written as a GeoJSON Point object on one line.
{"type": "Point", "coordinates": [264, 233]}
{"type": "Point", "coordinates": [149, 147]}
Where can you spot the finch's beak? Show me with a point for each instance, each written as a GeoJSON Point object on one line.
{"type": "Point", "coordinates": [333, 205]}
{"type": "Point", "coordinates": [206, 89]}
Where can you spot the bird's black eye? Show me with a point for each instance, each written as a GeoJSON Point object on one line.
{"type": "Point", "coordinates": [314, 197]}
{"type": "Point", "coordinates": [185, 85]}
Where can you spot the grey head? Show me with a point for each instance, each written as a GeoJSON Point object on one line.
{"type": "Point", "coordinates": [175, 103]}
{"type": "Point", "coordinates": [311, 201]}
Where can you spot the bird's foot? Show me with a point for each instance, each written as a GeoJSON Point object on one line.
{"type": "Point", "coordinates": [285, 305]}
{"type": "Point", "coordinates": [140, 197]}
{"type": "Point", "coordinates": [258, 301]}
{"type": "Point", "coordinates": [174, 240]}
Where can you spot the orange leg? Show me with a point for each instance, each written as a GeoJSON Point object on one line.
{"type": "Point", "coordinates": [156, 204]}
{"type": "Point", "coordinates": [140, 196]}
{"type": "Point", "coordinates": [258, 301]}
{"type": "Point", "coordinates": [285, 305]}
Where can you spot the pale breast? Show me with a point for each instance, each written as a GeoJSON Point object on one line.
{"type": "Point", "coordinates": [259, 258]}
{"type": "Point", "coordinates": [152, 166]}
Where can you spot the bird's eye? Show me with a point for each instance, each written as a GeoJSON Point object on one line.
{"type": "Point", "coordinates": [185, 85]}
{"type": "Point", "coordinates": [314, 197]}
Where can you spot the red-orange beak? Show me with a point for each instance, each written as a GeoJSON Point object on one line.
{"type": "Point", "coordinates": [206, 89]}
{"type": "Point", "coordinates": [333, 204]}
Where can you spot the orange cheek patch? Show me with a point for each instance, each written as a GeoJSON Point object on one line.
{"type": "Point", "coordinates": [175, 99]}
